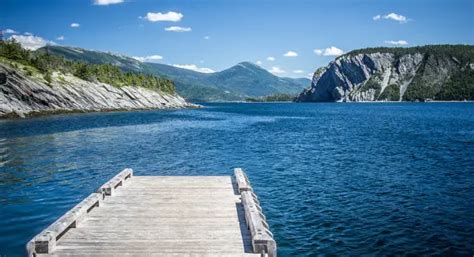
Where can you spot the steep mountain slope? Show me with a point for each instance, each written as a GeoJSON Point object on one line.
{"type": "Point", "coordinates": [236, 83]}
{"type": "Point", "coordinates": [439, 72]}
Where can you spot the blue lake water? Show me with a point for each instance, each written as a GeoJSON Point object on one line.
{"type": "Point", "coordinates": [333, 179]}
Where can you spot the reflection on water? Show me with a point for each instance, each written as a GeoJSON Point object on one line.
{"type": "Point", "coordinates": [334, 179]}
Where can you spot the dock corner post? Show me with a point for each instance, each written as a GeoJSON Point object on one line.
{"type": "Point", "coordinates": [45, 242]}
{"type": "Point", "coordinates": [30, 248]}
{"type": "Point", "coordinates": [272, 252]}
{"type": "Point", "coordinates": [267, 246]}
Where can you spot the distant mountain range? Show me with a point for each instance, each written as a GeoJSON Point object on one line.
{"type": "Point", "coordinates": [233, 84]}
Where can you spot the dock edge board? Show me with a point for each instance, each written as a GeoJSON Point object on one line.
{"type": "Point", "coordinates": [261, 237]}
{"type": "Point", "coordinates": [45, 241]}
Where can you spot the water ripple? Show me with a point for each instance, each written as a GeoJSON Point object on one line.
{"type": "Point", "coordinates": [334, 179]}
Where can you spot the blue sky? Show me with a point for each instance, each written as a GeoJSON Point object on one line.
{"type": "Point", "coordinates": [217, 34]}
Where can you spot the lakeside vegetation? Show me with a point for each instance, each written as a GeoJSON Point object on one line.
{"type": "Point", "coordinates": [45, 64]}
{"type": "Point", "coordinates": [272, 98]}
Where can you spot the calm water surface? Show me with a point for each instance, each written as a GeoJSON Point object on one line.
{"type": "Point", "coordinates": [333, 179]}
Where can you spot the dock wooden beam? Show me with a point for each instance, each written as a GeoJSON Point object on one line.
{"type": "Point", "coordinates": [45, 242]}
{"type": "Point", "coordinates": [262, 238]}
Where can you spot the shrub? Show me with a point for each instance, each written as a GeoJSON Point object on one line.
{"type": "Point", "coordinates": [48, 78]}
{"type": "Point", "coordinates": [390, 93]}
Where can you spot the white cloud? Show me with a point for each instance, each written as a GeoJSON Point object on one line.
{"type": "Point", "coordinates": [178, 29]}
{"type": "Point", "coordinates": [330, 51]}
{"type": "Point", "coordinates": [28, 34]}
{"type": "Point", "coordinates": [399, 42]}
{"type": "Point", "coordinates": [396, 17]}
{"type": "Point", "coordinates": [298, 71]}
{"type": "Point", "coordinates": [258, 62]}
{"type": "Point", "coordinates": [193, 67]}
{"type": "Point", "coordinates": [150, 58]}
{"type": "Point", "coordinates": [310, 75]}
{"type": "Point", "coordinates": [169, 16]}
{"type": "Point", "coordinates": [60, 38]}
{"type": "Point", "coordinates": [207, 37]}
{"type": "Point", "coordinates": [290, 54]}
{"type": "Point", "coordinates": [391, 16]}
{"type": "Point", "coordinates": [75, 25]}
{"type": "Point", "coordinates": [31, 42]}
{"type": "Point", "coordinates": [276, 70]}
{"type": "Point", "coordinates": [271, 58]}
{"type": "Point", "coordinates": [107, 2]}
{"type": "Point", "coordinates": [9, 31]}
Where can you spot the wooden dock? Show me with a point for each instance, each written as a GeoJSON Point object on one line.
{"type": "Point", "coordinates": [162, 216]}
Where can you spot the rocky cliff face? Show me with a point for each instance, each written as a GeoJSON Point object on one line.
{"type": "Point", "coordinates": [22, 95]}
{"type": "Point", "coordinates": [389, 75]}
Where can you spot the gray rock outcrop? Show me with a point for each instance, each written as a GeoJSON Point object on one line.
{"type": "Point", "coordinates": [22, 95]}
{"type": "Point", "coordinates": [388, 76]}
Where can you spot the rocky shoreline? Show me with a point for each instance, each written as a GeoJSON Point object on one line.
{"type": "Point", "coordinates": [23, 95]}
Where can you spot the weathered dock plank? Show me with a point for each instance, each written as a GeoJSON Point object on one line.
{"type": "Point", "coordinates": [162, 216]}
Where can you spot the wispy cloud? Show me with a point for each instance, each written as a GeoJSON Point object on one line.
{"type": "Point", "coordinates": [107, 2]}
{"type": "Point", "coordinates": [399, 42]}
{"type": "Point", "coordinates": [271, 58]}
{"type": "Point", "coordinates": [258, 62]}
{"type": "Point", "coordinates": [290, 54]}
{"type": "Point", "coordinates": [391, 16]}
{"type": "Point", "coordinates": [330, 51]}
{"type": "Point", "coordinates": [60, 38]}
{"type": "Point", "coordinates": [75, 25]}
{"type": "Point", "coordinates": [207, 37]}
{"type": "Point", "coordinates": [193, 67]}
{"type": "Point", "coordinates": [169, 16]}
{"type": "Point", "coordinates": [150, 58]}
{"type": "Point", "coordinates": [178, 29]}
{"type": "Point", "coordinates": [298, 71]}
{"type": "Point", "coordinates": [31, 42]}
{"type": "Point", "coordinates": [9, 31]}
{"type": "Point", "coordinates": [276, 70]}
